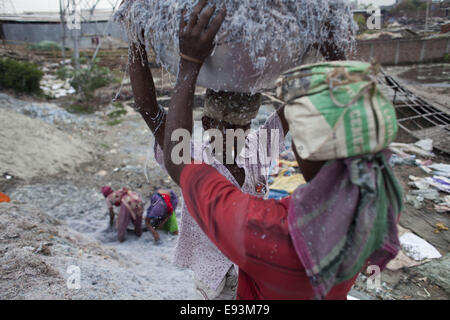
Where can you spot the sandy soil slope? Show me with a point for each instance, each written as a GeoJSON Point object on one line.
{"type": "Point", "coordinates": [31, 147]}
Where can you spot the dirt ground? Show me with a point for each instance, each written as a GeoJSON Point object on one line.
{"type": "Point", "coordinates": [430, 280]}
{"type": "Point", "coordinates": [57, 219]}
{"type": "Point", "coordinates": [73, 200]}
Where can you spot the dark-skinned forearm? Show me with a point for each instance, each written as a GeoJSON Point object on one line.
{"type": "Point", "coordinates": [284, 124]}
{"type": "Point", "coordinates": [151, 229]}
{"type": "Point", "coordinates": [144, 90]}
{"type": "Point", "coordinates": [180, 113]}
{"type": "Point", "coordinates": [162, 223]}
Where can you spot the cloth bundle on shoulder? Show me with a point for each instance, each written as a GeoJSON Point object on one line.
{"type": "Point", "coordinates": [335, 110]}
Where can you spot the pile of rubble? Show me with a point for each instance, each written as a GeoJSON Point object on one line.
{"type": "Point", "coordinates": [51, 85]}
{"type": "Point", "coordinates": [47, 112]}
{"type": "Point", "coordinates": [56, 88]}
{"type": "Point", "coordinates": [435, 186]}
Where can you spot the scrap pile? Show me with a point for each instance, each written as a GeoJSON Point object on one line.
{"type": "Point", "coordinates": [417, 116]}
{"type": "Point", "coordinates": [285, 176]}
{"type": "Point", "coordinates": [52, 85]}
{"type": "Point", "coordinates": [436, 182]}
{"type": "Point", "coordinates": [272, 32]}
{"type": "Point", "coordinates": [297, 24]}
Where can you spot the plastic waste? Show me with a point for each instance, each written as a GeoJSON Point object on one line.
{"type": "Point", "coordinates": [398, 160]}
{"type": "Point", "coordinates": [425, 144]}
{"type": "Point", "coordinates": [441, 169]}
{"type": "Point", "coordinates": [428, 193]}
{"type": "Point", "coordinates": [278, 194]}
{"type": "Point", "coordinates": [4, 197]}
{"type": "Point", "coordinates": [417, 248]}
{"type": "Point", "coordinates": [440, 183]}
{"type": "Point", "coordinates": [403, 148]}
{"type": "Point", "coordinates": [287, 181]}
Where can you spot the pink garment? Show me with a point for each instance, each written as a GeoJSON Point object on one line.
{"type": "Point", "coordinates": [124, 219]}
{"type": "Point", "coordinates": [194, 250]}
{"type": "Point", "coordinates": [107, 190]}
{"type": "Point", "coordinates": [132, 200]}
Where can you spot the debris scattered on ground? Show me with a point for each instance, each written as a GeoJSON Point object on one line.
{"type": "Point", "coordinates": [441, 169]}
{"type": "Point", "coordinates": [287, 181]}
{"type": "Point", "coordinates": [425, 144]}
{"type": "Point", "coordinates": [437, 271]}
{"type": "Point", "coordinates": [440, 227]}
{"type": "Point", "coordinates": [417, 248]}
{"type": "Point", "coordinates": [285, 176]}
{"type": "Point", "coordinates": [421, 148]}
{"type": "Point", "coordinates": [444, 206]}
{"type": "Point", "coordinates": [56, 88]}
{"type": "Point", "coordinates": [424, 186]}
{"type": "Point", "coordinates": [102, 173]}
{"type": "Point", "coordinates": [430, 186]}
{"type": "Point", "coordinates": [47, 112]}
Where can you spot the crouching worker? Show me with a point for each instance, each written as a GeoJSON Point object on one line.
{"type": "Point", "coordinates": [161, 213]}
{"type": "Point", "coordinates": [131, 210]}
{"type": "Point", "coordinates": [313, 244]}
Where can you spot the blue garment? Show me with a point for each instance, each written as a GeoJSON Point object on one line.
{"type": "Point", "coordinates": [278, 194]}
{"type": "Point", "coordinates": [158, 208]}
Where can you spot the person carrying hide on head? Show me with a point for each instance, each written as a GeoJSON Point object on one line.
{"type": "Point", "coordinates": [314, 244]}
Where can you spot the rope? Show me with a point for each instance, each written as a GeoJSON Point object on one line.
{"type": "Point", "coordinates": [340, 77]}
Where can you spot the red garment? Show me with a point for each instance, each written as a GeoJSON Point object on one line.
{"type": "Point", "coordinates": [4, 198]}
{"type": "Point", "coordinates": [251, 232]}
{"type": "Point", "coordinates": [132, 200]}
{"type": "Point", "coordinates": [166, 199]}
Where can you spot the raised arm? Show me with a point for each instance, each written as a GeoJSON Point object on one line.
{"type": "Point", "coordinates": [145, 93]}
{"type": "Point", "coordinates": [196, 44]}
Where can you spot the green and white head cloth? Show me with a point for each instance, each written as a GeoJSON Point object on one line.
{"type": "Point", "coordinates": [335, 110]}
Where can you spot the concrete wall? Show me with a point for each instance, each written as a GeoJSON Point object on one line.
{"type": "Point", "coordinates": [402, 51]}
{"type": "Point", "coordinates": [36, 32]}
{"type": "Point", "coordinates": [384, 51]}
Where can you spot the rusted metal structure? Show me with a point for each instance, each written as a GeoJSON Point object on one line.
{"type": "Point", "coordinates": [417, 116]}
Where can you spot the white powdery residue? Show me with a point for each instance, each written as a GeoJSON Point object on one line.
{"type": "Point", "coordinates": [417, 248]}
{"type": "Point", "coordinates": [265, 26]}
